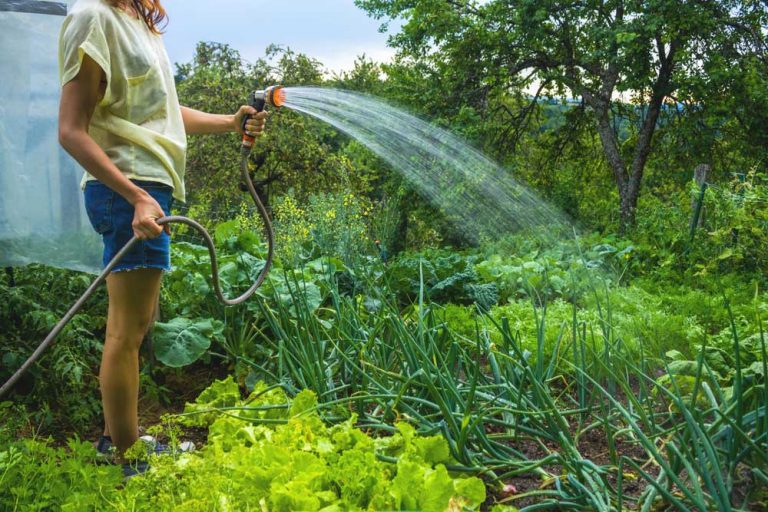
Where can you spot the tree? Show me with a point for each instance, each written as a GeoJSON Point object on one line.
{"type": "Point", "coordinates": [295, 153]}
{"type": "Point", "coordinates": [598, 50]}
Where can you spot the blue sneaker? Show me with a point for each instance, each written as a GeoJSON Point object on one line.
{"type": "Point", "coordinates": [104, 445]}
{"type": "Point", "coordinates": [136, 468]}
{"type": "Point", "coordinates": [106, 449]}
{"type": "Point", "coordinates": [153, 446]}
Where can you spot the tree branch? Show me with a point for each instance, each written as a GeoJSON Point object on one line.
{"type": "Point", "coordinates": [464, 7]}
{"type": "Point", "coordinates": [660, 90]}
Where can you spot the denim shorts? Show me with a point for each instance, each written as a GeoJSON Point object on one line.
{"type": "Point", "coordinates": [111, 216]}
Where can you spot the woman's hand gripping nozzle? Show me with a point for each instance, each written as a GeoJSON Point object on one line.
{"type": "Point", "coordinates": [273, 96]}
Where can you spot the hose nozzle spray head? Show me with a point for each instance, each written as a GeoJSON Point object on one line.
{"type": "Point", "coordinates": [273, 96]}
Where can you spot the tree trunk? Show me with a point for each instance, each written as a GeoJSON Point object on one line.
{"type": "Point", "coordinates": [629, 178]}
{"type": "Point", "coordinates": [628, 209]}
{"type": "Point", "coordinates": [628, 187]}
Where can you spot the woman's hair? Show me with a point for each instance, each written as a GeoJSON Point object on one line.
{"type": "Point", "coordinates": [151, 12]}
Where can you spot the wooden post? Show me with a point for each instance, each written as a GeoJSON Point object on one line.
{"type": "Point", "coordinates": [700, 177]}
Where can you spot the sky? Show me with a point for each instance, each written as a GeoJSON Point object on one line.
{"type": "Point", "coordinates": [333, 31]}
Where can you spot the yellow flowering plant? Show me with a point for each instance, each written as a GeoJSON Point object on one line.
{"type": "Point", "coordinates": [330, 224]}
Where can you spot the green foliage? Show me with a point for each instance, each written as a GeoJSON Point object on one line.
{"type": "Point", "coordinates": [444, 276]}
{"type": "Point", "coordinates": [736, 221]}
{"type": "Point", "coordinates": [194, 310]}
{"type": "Point", "coordinates": [222, 393]}
{"type": "Point", "coordinates": [725, 248]}
{"type": "Point", "coordinates": [455, 63]}
{"type": "Point", "coordinates": [300, 464]}
{"type": "Point", "coordinates": [37, 476]}
{"type": "Point", "coordinates": [331, 224]}
{"type": "Point", "coordinates": [365, 76]}
{"type": "Point", "coordinates": [182, 341]}
{"type": "Point", "coordinates": [62, 392]}
{"type": "Point", "coordinates": [540, 367]}
{"type": "Point", "coordinates": [513, 269]}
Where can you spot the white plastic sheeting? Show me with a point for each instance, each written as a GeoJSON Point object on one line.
{"type": "Point", "coordinates": [42, 218]}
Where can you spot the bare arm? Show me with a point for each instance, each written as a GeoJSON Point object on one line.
{"type": "Point", "coordinates": [79, 98]}
{"type": "Point", "coordinates": [201, 123]}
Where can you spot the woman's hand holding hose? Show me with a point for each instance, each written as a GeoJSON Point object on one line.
{"type": "Point", "coordinates": [255, 124]}
{"type": "Point", "coordinates": [146, 212]}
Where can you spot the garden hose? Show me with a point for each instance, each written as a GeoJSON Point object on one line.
{"type": "Point", "coordinates": [273, 96]}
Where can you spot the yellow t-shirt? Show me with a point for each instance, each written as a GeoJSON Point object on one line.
{"type": "Point", "coordinates": [138, 122]}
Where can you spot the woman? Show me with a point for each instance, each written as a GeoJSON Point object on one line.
{"type": "Point", "coordinates": [120, 118]}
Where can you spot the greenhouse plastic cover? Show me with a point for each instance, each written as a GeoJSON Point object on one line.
{"type": "Point", "coordinates": [42, 218]}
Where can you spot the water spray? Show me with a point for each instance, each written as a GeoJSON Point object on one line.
{"type": "Point", "coordinates": [273, 96]}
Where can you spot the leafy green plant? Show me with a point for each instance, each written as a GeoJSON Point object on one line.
{"type": "Point", "coordinates": [291, 461]}
{"type": "Point", "coordinates": [194, 310]}
{"type": "Point", "coordinates": [34, 475]}
{"type": "Point", "coordinates": [62, 390]}
{"type": "Point", "coordinates": [330, 225]}
{"type": "Point", "coordinates": [264, 451]}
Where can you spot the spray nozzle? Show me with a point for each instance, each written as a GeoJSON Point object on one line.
{"type": "Point", "coordinates": [273, 96]}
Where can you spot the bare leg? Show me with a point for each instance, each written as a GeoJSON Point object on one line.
{"type": "Point", "coordinates": [155, 318]}
{"type": "Point", "coordinates": [132, 299]}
